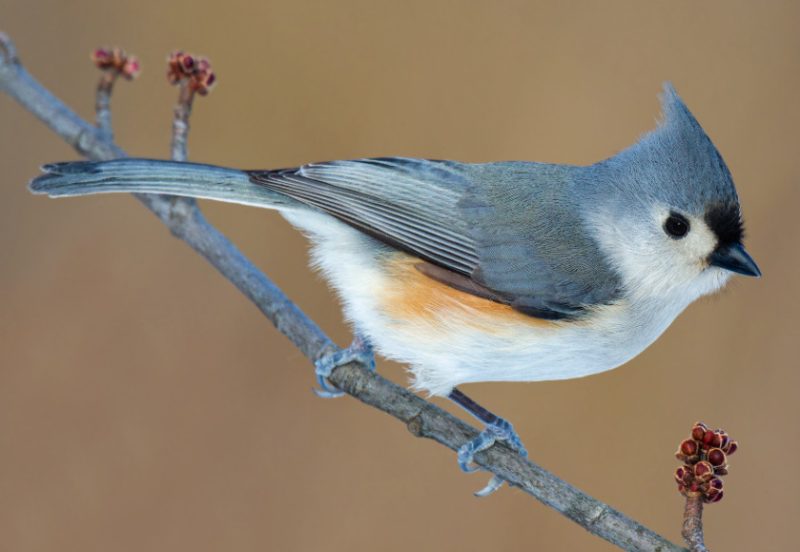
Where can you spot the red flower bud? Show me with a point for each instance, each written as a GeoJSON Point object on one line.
{"type": "Point", "coordinates": [131, 69]}
{"type": "Point", "coordinates": [101, 56]}
{"type": "Point", "coordinates": [716, 457]}
{"type": "Point", "coordinates": [698, 431]}
{"type": "Point", "coordinates": [703, 471]}
{"type": "Point", "coordinates": [116, 60]}
{"type": "Point", "coordinates": [705, 458]}
{"type": "Point", "coordinates": [196, 71]}
{"type": "Point", "coordinates": [715, 483]}
{"type": "Point", "coordinates": [187, 63]}
{"type": "Point", "coordinates": [683, 475]}
{"type": "Point", "coordinates": [689, 447]}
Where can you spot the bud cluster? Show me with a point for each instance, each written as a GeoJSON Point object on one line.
{"type": "Point", "coordinates": [118, 61]}
{"type": "Point", "coordinates": [196, 69]}
{"type": "Point", "coordinates": [705, 458]}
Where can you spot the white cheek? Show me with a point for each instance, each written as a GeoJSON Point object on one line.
{"type": "Point", "coordinates": [697, 245]}
{"type": "Point", "coordinates": [654, 265]}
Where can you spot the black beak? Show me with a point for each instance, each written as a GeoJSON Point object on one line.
{"type": "Point", "coordinates": [734, 258]}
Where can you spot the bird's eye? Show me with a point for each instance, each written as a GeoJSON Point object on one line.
{"type": "Point", "coordinates": [676, 226]}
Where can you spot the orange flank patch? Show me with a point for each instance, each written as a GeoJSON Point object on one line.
{"type": "Point", "coordinates": [415, 297]}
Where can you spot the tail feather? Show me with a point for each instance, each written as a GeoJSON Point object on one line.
{"type": "Point", "coordinates": [131, 175]}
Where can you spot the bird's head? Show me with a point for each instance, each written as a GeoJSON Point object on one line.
{"type": "Point", "coordinates": [666, 210]}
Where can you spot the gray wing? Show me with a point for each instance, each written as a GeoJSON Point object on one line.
{"type": "Point", "coordinates": [532, 244]}
{"type": "Point", "coordinates": [499, 225]}
{"type": "Point", "coordinates": [412, 204]}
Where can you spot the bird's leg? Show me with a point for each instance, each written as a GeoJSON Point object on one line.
{"type": "Point", "coordinates": [497, 429]}
{"type": "Point", "coordinates": [360, 350]}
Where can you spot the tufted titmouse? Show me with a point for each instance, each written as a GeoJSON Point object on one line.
{"type": "Point", "coordinates": [512, 271]}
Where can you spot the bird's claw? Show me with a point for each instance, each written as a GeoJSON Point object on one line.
{"type": "Point", "coordinates": [499, 430]}
{"type": "Point", "coordinates": [359, 350]}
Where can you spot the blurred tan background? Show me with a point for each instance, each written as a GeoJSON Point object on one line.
{"type": "Point", "coordinates": [146, 405]}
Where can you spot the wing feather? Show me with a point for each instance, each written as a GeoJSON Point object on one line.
{"type": "Point", "coordinates": [511, 229]}
{"type": "Point", "coordinates": [409, 203]}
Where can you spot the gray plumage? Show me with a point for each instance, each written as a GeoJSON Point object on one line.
{"type": "Point", "coordinates": [520, 229]}
{"type": "Point", "coordinates": [675, 164]}
{"type": "Point", "coordinates": [409, 203]}
{"type": "Point", "coordinates": [152, 176]}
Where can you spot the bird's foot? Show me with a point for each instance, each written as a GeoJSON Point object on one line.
{"type": "Point", "coordinates": [360, 350]}
{"type": "Point", "coordinates": [498, 430]}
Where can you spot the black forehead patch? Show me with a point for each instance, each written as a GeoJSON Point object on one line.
{"type": "Point", "coordinates": [725, 220]}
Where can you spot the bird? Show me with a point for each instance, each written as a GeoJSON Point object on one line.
{"type": "Point", "coordinates": [502, 271]}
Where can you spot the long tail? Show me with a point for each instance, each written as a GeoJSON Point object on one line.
{"type": "Point", "coordinates": [156, 176]}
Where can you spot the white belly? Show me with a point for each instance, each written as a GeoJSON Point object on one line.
{"type": "Point", "coordinates": [447, 339]}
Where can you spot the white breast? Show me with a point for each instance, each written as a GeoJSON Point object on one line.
{"type": "Point", "coordinates": [450, 343]}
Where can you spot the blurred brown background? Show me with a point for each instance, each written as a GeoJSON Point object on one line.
{"type": "Point", "coordinates": [146, 405]}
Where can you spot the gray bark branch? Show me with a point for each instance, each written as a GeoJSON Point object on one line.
{"type": "Point", "coordinates": [423, 419]}
{"type": "Point", "coordinates": [102, 105]}
{"type": "Point", "coordinates": [180, 121]}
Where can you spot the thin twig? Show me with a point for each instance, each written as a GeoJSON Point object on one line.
{"type": "Point", "coordinates": [114, 63]}
{"type": "Point", "coordinates": [102, 104]}
{"type": "Point", "coordinates": [423, 418]}
{"type": "Point", "coordinates": [180, 122]}
{"type": "Point", "coordinates": [182, 206]}
{"type": "Point", "coordinates": [693, 523]}
{"type": "Point", "coordinates": [193, 75]}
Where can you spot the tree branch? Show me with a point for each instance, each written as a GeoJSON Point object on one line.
{"type": "Point", "coordinates": [693, 523]}
{"type": "Point", "coordinates": [422, 418]}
